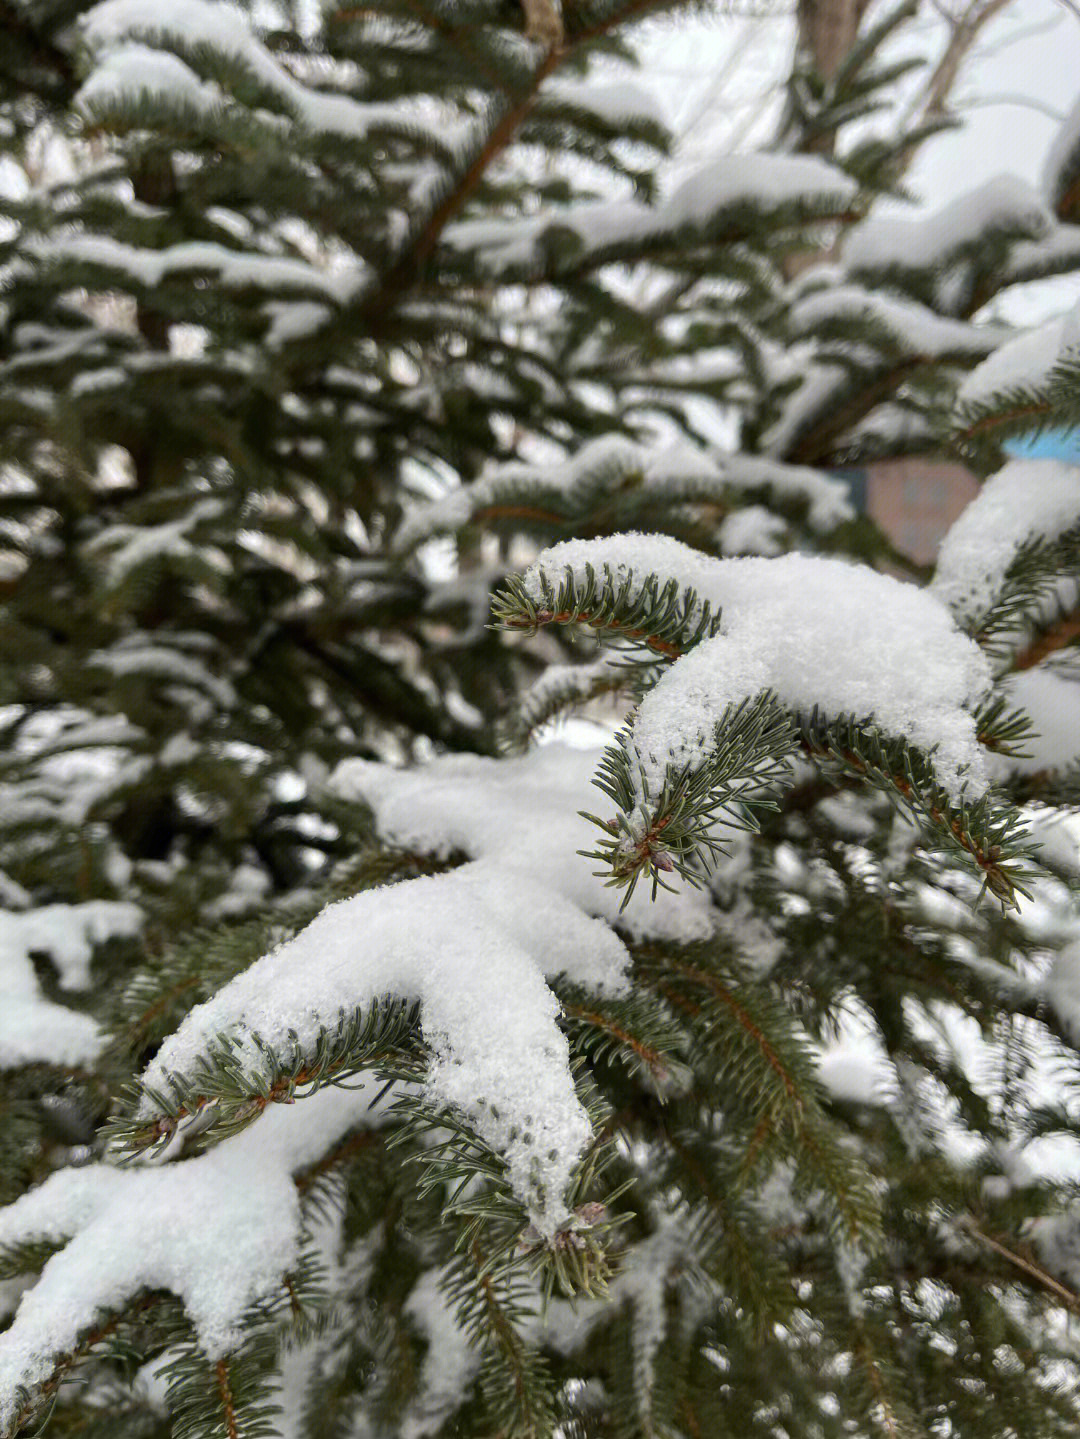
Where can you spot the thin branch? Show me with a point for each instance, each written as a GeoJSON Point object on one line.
{"type": "Point", "coordinates": [1035, 1271]}
{"type": "Point", "coordinates": [1061, 633]}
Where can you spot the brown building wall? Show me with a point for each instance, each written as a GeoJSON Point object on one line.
{"type": "Point", "coordinates": [915, 502]}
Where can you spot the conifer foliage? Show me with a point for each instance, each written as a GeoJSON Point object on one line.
{"type": "Point", "coordinates": [373, 1064]}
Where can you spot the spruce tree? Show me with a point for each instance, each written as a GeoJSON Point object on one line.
{"type": "Point", "coordinates": [373, 1064]}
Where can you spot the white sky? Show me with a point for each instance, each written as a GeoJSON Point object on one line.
{"type": "Point", "coordinates": [718, 79]}
{"type": "Point", "coordinates": [1018, 85]}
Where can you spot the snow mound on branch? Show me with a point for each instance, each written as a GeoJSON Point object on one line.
{"type": "Point", "coordinates": [521, 817]}
{"type": "Point", "coordinates": [221, 1231]}
{"type": "Point", "coordinates": [620, 106]}
{"type": "Point", "coordinates": [1023, 363]}
{"type": "Point", "coordinates": [613, 464]}
{"type": "Point", "coordinates": [1026, 500]}
{"type": "Point", "coordinates": [1052, 701]}
{"type": "Point", "coordinates": [473, 946]}
{"type": "Point", "coordinates": [34, 1029]}
{"type": "Point", "coordinates": [802, 185]}
{"type": "Point", "coordinates": [232, 269]}
{"type": "Point", "coordinates": [200, 28]}
{"type": "Point", "coordinates": [769, 180]}
{"type": "Point", "coordinates": [911, 326]}
{"type": "Point", "coordinates": [817, 633]}
{"type": "Point", "coordinates": [134, 73]}
{"type": "Point", "coordinates": [1005, 204]}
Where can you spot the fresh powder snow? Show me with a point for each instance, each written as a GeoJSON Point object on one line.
{"type": "Point", "coordinates": [1027, 500]}
{"type": "Point", "coordinates": [221, 1231]}
{"type": "Point", "coordinates": [222, 29]}
{"type": "Point", "coordinates": [34, 1029]}
{"type": "Point", "coordinates": [1023, 363]}
{"type": "Point", "coordinates": [815, 632]}
{"type": "Point", "coordinates": [474, 946]}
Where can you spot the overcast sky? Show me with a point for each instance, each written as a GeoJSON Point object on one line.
{"type": "Point", "coordinates": [719, 81]}
{"type": "Point", "coordinates": [1023, 80]}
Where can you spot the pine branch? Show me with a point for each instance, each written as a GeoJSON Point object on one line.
{"type": "Point", "coordinates": [1065, 630]}
{"type": "Point", "coordinates": [667, 619]}
{"type": "Point", "coordinates": [1024, 1263]}
{"type": "Point", "coordinates": [28, 1405]}
{"type": "Point", "coordinates": [562, 689]}
{"type": "Point", "coordinates": [1017, 617]}
{"type": "Point", "coordinates": [674, 830]}
{"type": "Point", "coordinates": [988, 833]}
{"type": "Point", "coordinates": [227, 1089]}
{"type": "Point", "coordinates": [492, 1302]}
{"type": "Point", "coordinates": [634, 1032]}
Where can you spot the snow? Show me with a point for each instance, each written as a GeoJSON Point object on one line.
{"type": "Point", "coordinates": [473, 945]}
{"type": "Point", "coordinates": [816, 632]}
{"type": "Point", "coordinates": [471, 952]}
{"type": "Point", "coordinates": [765, 180]}
{"type": "Point", "coordinates": [727, 184]}
{"type": "Point", "coordinates": [1058, 841]}
{"type": "Point", "coordinates": [855, 1078]}
{"type": "Point", "coordinates": [1061, 989]}
{"type": "Point", "coordinates": [619, 106]}
{"type": "Point", "coordinates": [12, 893]}
{"type": "Point", "coordinates": [1053, 702]}
{"type": "Point", "coordinates": [449, 1365]}
{"type": "Point", "coordinates": [753, 530]}
{"type": "Point", "coordinates": [826, 499]}
{"type": "Point", "coordinates": [1056, 175]}
{"type": "Point", "coordinates": [221, 1231]}
{"type": "Point", "coordinates": [612, 462]}
{"type": "Point", "coordinates": [515, 813]}
{"type": "Point", "coordinates": [34, 1029]}
{"type": "Point", "coordinates": [1022, 363]}
{"type": "Point", "coordinates": [68, 933]}
{"type": "Point", "coordinates": [915, 327]}
{"type": "Point", "coordinates": [139, 657]}
{"type": "Point", "coordinates": [225, 30]}
{"type": "Point", "coordinates": [293, 320]}
{"type": "Point", "coordinates": [247, 891]}
{"type": "Point", "coordinates": [1057, 251]}
{"type": "Point", "coordinates": [136, 72]}
{"type": "Point", "coordinates": [234, 269]}
{"type": "Point", "coordinates": [1005, 204]}
{"type": "Point", "coordinates": [128, 546]}
{"type": "Point", "coordinates": [565, 684]}
{"type": "Point", "coordinates": [675, 470]}
{"type": "Point", "coordinates": [1026, 500]}
{"type": "Point", "coordinates": [648, 1271]}
{"type": "Point", "coordinates": [1056, 1241]}
{"type": "Point", "coordinates": [813, 396]}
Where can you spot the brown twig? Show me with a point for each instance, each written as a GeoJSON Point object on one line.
{"type": "Point", "coordinates": [1062, 632]}
{"type": "Point", "coordinates": [1020, 1261]}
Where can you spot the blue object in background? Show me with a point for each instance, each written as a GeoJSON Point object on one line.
{"type": "Point", "coordinates": [1050, 445]}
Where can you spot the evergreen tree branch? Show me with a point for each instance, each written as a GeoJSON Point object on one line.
{"type": "Point", "coordinates": [229, 1090]}
{"type": "Point", "coordinates": [383, 687]}
{"type": "Point", "coordinates": [1065, 630]}
{"type": "Point", "coordinates": [667, 619]}
{"type": "Point", "coordinates": [1023, 1262]}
